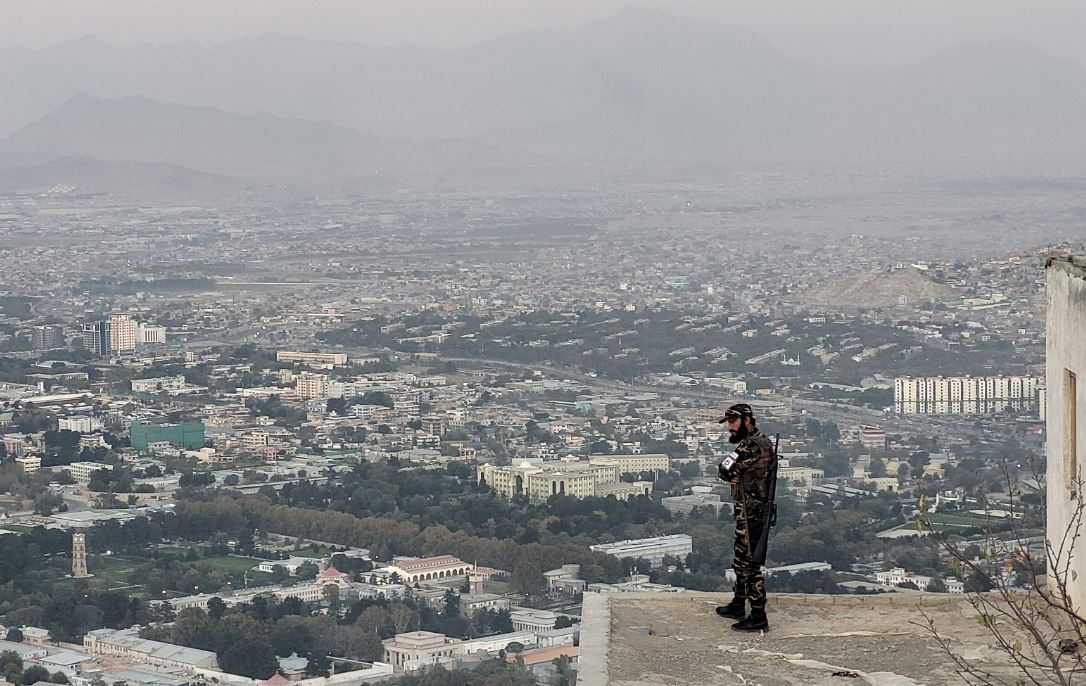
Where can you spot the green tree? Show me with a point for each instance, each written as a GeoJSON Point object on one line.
{"type": "Point", "coordinates": [877, 468]}
{"type": "Point", "coordinates": [336, 406]}
{"type": "Point", "coordinates": [565, 673]}
{"type": "Point", "coordinates": [252, 658]}
{"type": "Point", "coordinates": [376, 398]}
{"type": "Point", "coordinates": [11, 666]}
{"type": "Point", "coordinates": [216, 608]}
{"type": "Point", "coordinates": [46, 503]}
{"type": "Point", "coordinates": [528, 579]}
{"type": "Point", "coordinates": [836, 463]}
{"type": "Point", "coordinates": [319, 664]}
{"type": "Point", "coordinates": [332, 598]}
{"type": "Point", "coordinates": [374, 619]}
{"type": "Point", "coordinates": [307, 571]}
{"type": "Point", "coordinates": [291, 635]}
{"type": "Point", "coordinates": [34, 674]}
{"type": "Point", "coordinates": [452, 603]}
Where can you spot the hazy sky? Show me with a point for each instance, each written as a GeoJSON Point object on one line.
{"type": "Point", "coordinates": [875, 32]}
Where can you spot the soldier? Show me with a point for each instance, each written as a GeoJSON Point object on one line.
{"type": "Point", "coordinates": [749, 477]}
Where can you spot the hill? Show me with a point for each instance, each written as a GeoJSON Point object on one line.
{"type": "Point", "coordinates": [877, 289]}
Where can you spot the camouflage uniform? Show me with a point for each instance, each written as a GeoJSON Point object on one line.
{"type": "Point", "coordinates": [755, 459]}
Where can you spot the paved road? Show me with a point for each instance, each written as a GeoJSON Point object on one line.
{"type": "Point", "coordinates": [850, 414]}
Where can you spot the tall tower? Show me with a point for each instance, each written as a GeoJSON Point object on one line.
{"type": "Point", "coordinates": [47, 337]}
{"type": "Point", "coordinates": [475, 580]}
{"type": "Point", "coordinates": [79, 556]}
{"type": "Point", "coordinates": [475, 584]}
{"type": "Point", "coordinates": [96, 337]}
{"type": "Point", "coordinates": [122, 333]}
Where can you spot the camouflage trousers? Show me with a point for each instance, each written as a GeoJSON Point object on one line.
{"type": "Point", "coordinates": [749, 582]}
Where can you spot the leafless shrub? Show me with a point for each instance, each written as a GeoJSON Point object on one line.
{"type": "Point", "coordinates": [1034, 624]}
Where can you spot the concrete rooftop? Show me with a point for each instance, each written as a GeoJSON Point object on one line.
{"type": "Point", "coordinates": [646, 639]}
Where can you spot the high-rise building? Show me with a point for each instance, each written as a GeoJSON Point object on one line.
{"type": "Point", "coordinates": [433, 425]}
{"type": "Point", "coordinates": [310, 386]}
{"type": "Point", "coordinates": [122, 333]}
{"type": "Point", "coordinates": [79, 556]}
{"type": "Point", "coordinates": [96, 337]}
{"type": "Point", "coordinates": [47, 337]}
{"type": "Point", "coordinates": [965, 394]}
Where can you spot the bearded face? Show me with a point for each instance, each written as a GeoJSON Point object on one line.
{"type": "Point", "coordinates": [738, 433]}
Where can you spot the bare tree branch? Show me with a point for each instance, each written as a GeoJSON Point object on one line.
{"type": "Point", "coordinates": [1037, 627]}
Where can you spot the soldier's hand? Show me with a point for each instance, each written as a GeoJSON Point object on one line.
{"type": "Point", "coordinates": [734, 481]}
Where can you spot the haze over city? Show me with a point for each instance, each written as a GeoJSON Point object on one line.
{"type": "Point", "coordinates": [357, 342]}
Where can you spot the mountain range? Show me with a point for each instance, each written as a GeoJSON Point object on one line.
{"type": "Point", "coordinates": [641, 86]}
{"type": "Point", "coordinates": [260, 147]}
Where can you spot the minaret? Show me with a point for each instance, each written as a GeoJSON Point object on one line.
{"type": "Point", "coordinates": [79, 556]}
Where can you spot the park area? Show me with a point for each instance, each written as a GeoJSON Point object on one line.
{"type": "Point", "coordinates": [133, 573]}
{"type": "Point", "coordinates": [958, 522]}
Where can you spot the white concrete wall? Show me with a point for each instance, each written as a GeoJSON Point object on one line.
{"type": "Point", "coordinates": [1066, 351]}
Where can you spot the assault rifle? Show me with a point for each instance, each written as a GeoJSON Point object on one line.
{"type": "Point", "coordinates": [769, 512]}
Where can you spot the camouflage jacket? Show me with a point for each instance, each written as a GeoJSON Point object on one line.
{"type": "Point", "coordinates": [754, 462]}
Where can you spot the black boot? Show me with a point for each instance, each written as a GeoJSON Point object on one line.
{"type": "Point", "coordinates": [736, 609]}
{"type": "Point", "coordinates": [756, 621]}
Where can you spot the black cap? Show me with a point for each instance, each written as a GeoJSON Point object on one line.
{"type": "Point", "coordinates": [737, 410]}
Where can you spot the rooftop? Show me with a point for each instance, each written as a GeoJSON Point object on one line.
{"type": "Point", "coordinates": [646, 639]}
{"type": "Point", "coordinates": [428, 563]}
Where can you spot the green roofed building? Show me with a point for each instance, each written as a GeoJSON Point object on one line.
{"type": "Point", "coordinates": [187, 435]}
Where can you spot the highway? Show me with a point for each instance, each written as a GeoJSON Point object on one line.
{"type": "Point", "coordinates": [821, 410]}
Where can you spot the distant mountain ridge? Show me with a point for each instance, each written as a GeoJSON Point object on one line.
{"type": "Point", "coordinates": [261, 147]}
{"type": "Point", "coordinates": [640, 85]}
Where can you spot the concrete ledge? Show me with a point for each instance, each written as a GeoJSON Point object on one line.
{"type": "Point", "coordinates": [661, 635]}
{"type": "Point", "coordinates": [595, 638]}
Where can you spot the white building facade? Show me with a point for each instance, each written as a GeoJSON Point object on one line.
{"type": "Point", "coordinates": [965, 394]}
{"type": "Point", "coordinates": [79, 423]}
{"type": "Point", "coordinates": [150, 334]}
{"type": "Point", "coordinates": [1066, 416]}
